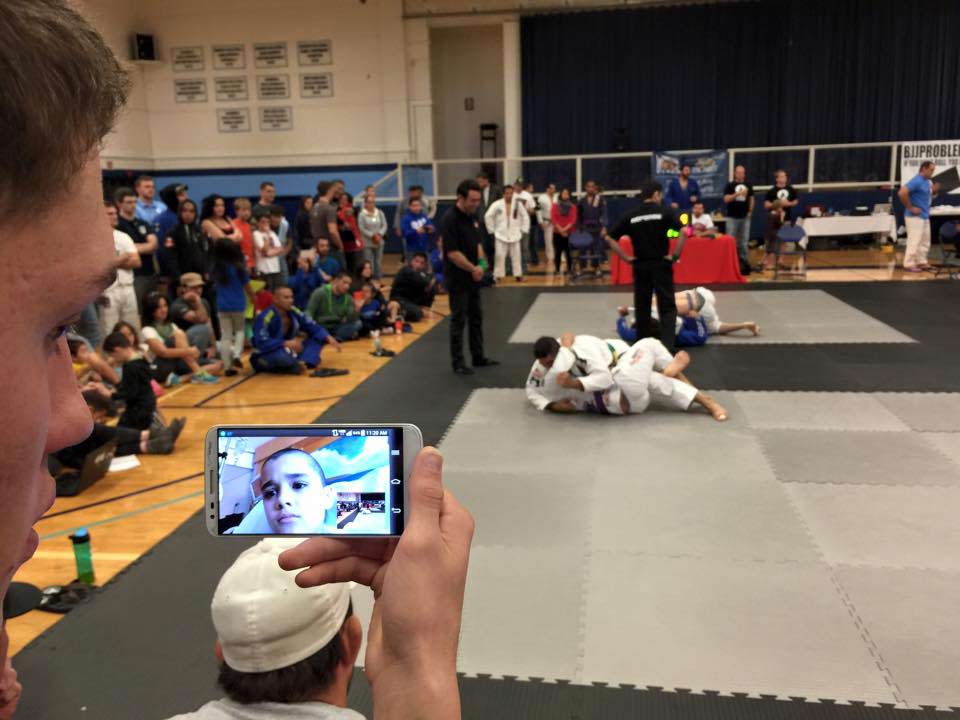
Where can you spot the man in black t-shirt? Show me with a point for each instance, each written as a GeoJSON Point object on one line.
{"type": "Point", "coordinates": [650, 227]}
{"type": "Point", "coordinates": [783, 191]}
{"type": "Point", "coordinates": [144, 239]}
{"type": "Point", "coordinates": [461, 240]}
{"type": "Point", "coordinates": [738, 195]}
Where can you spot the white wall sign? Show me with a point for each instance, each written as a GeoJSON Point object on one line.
{"type": "Point", "coordinates": [314, 52]}
{"type": "Point", "coordinates": [193, 90]}
{"type": "Point", "coordinates": [268, 55]}
{"type": "Point", "coordinates": [276, 118]}
{"type": "Point", "coordinates": [230, 88]}
{"type": "Point", "coordinates": [229, 57]}
{"type": "Point", "coordinates": [316, 85]}
{"type": "Point", "coordinates": [945, 155]}
{"type": "Point", "coordinates": [233, 120]}
{"type": "Point", "coordinates": [273, 87]}
{"type": "Point", "coordinates": [187, 58]}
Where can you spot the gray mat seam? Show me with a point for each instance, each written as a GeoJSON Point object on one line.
{"type": "Point", "coordinates": [456, 417]}
{"type": "Point", "coordinates": [585, 579]}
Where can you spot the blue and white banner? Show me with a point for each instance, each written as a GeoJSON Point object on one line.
{"type": "Point", "coordinates": [708, 168]}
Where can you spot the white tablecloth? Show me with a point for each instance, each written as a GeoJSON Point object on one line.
{"type": "Point", "coordinates": [947, 210]}
{"type": "Point", "coordinates": [850, 225]}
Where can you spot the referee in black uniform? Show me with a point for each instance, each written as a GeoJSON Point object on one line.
{"type": "Point", "coordinates": [461, 238]}
{"type": "Point", "coordinates": [650, 227]}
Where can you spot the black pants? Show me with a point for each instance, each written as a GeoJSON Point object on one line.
{"type": "Point", "coordinates": [655, 276]}
{"type": "Point", "coordinates": [534, 240]}
{"type": "Point", "coordinates": [489, 246]}
{"type": "Point", "coordinates": [561, 245]}
{"type": "Point", "coordinates": [465, 308]}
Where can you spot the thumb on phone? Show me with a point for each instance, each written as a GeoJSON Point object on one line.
{"type": "Point", "coordinates": [426, 491]}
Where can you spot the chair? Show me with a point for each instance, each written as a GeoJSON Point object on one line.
{"type": "Point", "coordinates": [949, 260]}
{"type": "Point", "coordinates": [582, 242]}
{"type": "Point", "coordinates": [795, 236]}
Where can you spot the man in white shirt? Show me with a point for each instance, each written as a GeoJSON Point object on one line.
{"type": "Point", "coordinates": [544, 206]}
{"type": "Point", "coordinates": [524, 196]}
{"type": "Point", "coordinates": [508, 221]}
{"type": "Point", "coordinates": [701, 222]}
{"type": "Point", "coordinates": [120, 297]}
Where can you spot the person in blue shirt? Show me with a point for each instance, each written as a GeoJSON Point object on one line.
{"type": "Point", "coordinates": [306, 279]}
{"type": "Point", "coordinates": [327, 264]}
{"type": "Point", "coordinates": [916, 196]}
{"type": "Point", "coordinates": [417, 229]}
{"type": "Point", "coordinates": [148, 207]}
{"type": "Point", "coordinates": [683, 191]}
{"type": "Point", "coordinates": [283, 337]}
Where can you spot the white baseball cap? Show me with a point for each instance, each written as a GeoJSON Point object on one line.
{"type": "Point", "coordinates": [264, 620]}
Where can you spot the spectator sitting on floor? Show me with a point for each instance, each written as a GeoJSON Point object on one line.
{"type": "Point", "coordinates": [267, 249]}
{"type": "Point", "coordinates": [376, 313]}
{"type": "Point", "coordinates": [414, 288]}
{"type": "Point", "coordinates": [284, 337]}
{"type": "Point", "coordinates": [306, 279]}
{"type": "Point", "coordinates": [156, 440]}
{"type": "Point", "coordinates": [418, 231]}
{"type": "Point", "coordinates": [701, 222]}
{"type": "Point", "coordinates": [332, 306]}
{"type": "Point", "coordinates": [174, 359]}
{"type": "Point", "coordinates": [364, 277]}
{"type": "Point", "coordinates": [284, 651]}
{"type": "Point", "coordinates": [192, 313]}
{"type": "Point", "coordinates": [135, 389]}
{"type": "Point", "coordinates": [88, 365]}
{"type": "Point", "coordinates": [329, 265]}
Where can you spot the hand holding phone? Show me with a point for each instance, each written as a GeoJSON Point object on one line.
{"type": "Point", "coordinates": [418, 583]}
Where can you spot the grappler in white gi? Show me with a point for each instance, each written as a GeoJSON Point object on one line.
{"type": "Point", "coordinates": [586, 374]}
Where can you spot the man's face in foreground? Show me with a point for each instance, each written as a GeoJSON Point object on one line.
{"type": "Point", "coordinates": [73, 264]}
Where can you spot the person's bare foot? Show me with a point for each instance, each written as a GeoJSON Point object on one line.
{"type": "Point", "coordinates": [679, 363]}
{"type": "Point", "coordinates": [715, 409]}
{"type": "Point", "coordinates": [754, 328]}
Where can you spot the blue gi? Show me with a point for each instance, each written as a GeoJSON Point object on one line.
{"type": "Point", "coordinates": [693, 331]}
{"type": "Point", "coordinates": [269, 353]}
{"type": "Point", "coordinates": [304, 283]}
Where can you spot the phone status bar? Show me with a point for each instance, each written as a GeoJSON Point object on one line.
{"type": "Point", "coordinates": [306, 431]}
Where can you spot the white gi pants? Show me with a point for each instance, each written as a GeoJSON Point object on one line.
{"type": "Point", "coordinates": [122, 305]}
{"type": "Point", "coordinates": [918, 241]}
{"type": "Point", "coordinates": [638, 377]}
{"type": "Point", "coordinates": [500, 258]}
{"type": "Point", "coordinates": [710, 317]}
{"type": "Point", "coordinates": [548, 241]}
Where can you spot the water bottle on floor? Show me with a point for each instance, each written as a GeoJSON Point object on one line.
{"type": "Point", "coordinates": [83, 556]}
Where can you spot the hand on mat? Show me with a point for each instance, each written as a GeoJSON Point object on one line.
{"type": "Point", "coordinates": [418, 582]}
{"type": "Point", "coordinates": [10, 689]}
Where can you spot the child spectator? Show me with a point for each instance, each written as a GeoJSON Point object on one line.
{"type": "Point", "coordinates": [134, 389]}
{"type": "Point", "coordinates": [306, 279]}
{"type": "Point", "coordinates": [418, 231]}
{"type": "Point", "coordinates": [353, 247]}
{"type": "Point", "coordinates": [268, 249]}
{"type": "Point", "coordinates": [233, 290]}
{"type": "Point", "coordinates": [241, 221]}
{"type": "Point", "coordinates": [332, 307]}
{"type": "Point", "coordinates": [175, 360]}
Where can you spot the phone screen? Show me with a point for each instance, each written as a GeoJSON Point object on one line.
{"type": "Point", "coordinates": [310, 481]}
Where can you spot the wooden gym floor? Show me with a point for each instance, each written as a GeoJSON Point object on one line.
{"type": "Point", "coordinates": [129, 512]}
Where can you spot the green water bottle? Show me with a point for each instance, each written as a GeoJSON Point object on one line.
{"type": "Point", "coordinates": [83, 556]}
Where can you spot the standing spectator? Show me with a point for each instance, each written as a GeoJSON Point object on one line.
{"type": "Point", "coordinates": [214, 221]}
{"type": "Point", "coordinates": [776, 217]}
{"type": "Point", "coordinates": [916, 195]}
{"type": "Point", "coordinates": [545, 204]}
{"type": "Point", "coordinates": [301, 225]}
{"type": "Point", "coordinates": [145, 240]}
{"type": "Point", "coordinates": [508, 221]}
{"type": "Point", "coordinates": [700, 221]}
{"type": "Point", "coordinates": [332, 307]}
{"type": "Point", "coordinates": [362, 197]}
{"type": "Point", "coordinates": [229, 272]}
{"type": "Point", "coordinates": [526, 199]}
{"type": "Point", "coordinates": [738, 195]}
{"type": "Point", "coordinates": [187, 247]}
{"type": "Point", "coordinates": [489, 194]}
{"type": "Point", "coordinates": [353, 247]}
{"type": "Point", "coordinates": [242, 212]}
{"type": "Point", "coordinates": [414, 192]}
{"type": "Point", "coordinates": [268, 195]}
{"type": "Point", "coordinates": [372, 224]}
{"type": "Point", "coordinates": [683, 191]}
{"type": "Point", "coordinates": [563, 217]}
{"type": "Point", "coordinates": [650, 227]}
{"type": "Point", "coordinates": [172, 195]}
{"type": "Point", "coordinates": [323, 218]}
{"type": "Point", "coordinates": [121, 300]}
{"type": "Point", "coordinates": [418, 232]}
{"type": "Point", "coordinates": [461, 238]}
{"type": "Point", "coordinates": [135, 389]}
{"type": "Point", "coordinates": [414, 288]}
{"type": "Point", "coordinates": [267, 249]}
{"type": "Point", "coordinates": [174, 359]}
{"type": "Point", "coordinates": [306, 279]}
{"type": "Point", "coordinates": [783, 191]}
{"type": "Point", "coordinates": [148, 208]}
{"type": "Point", "coordinates": [592, 218]}
{"type": "Point", "coordinates": [281, 227]}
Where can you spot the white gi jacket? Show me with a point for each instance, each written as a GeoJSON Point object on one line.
{"type": "Point", "coordinates": [507, 227]}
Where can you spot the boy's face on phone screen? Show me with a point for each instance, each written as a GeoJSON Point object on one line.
{"type": "Point", "coordinates": [294, 498]}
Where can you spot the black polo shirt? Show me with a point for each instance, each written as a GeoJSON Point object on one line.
{"type": "Point", "coordinates": [459, 231]}
{"type": "Point", "coordinates": [138, 231]}
{"type": "Point", "coordinates": [647, 226]}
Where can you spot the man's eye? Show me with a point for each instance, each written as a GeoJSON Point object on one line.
{"type": "Point", "coordinates": [58, 332]}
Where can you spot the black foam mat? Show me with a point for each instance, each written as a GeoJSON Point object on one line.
{"type": "Point", "coordinates": [143, 646]}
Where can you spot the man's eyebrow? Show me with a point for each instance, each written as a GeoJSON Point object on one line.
{"type": "Point", "coordinates": [103, 280]}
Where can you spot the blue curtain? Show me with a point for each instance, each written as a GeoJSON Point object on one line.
{"type": "Point", "coordinates": [792, 72]}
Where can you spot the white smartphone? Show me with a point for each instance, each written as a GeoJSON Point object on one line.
{"type": "Point", "coordinates": [308, 480]}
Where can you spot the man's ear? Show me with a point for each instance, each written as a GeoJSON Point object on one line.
{"type": "Point", "coordinates": [351, 637]}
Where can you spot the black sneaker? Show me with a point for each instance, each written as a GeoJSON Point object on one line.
{"type": "Point", "coordinates": [329, 372]}
{"type": "Point", "coordinates": [231, 372]}
{"type": "Point", "coordinates": [237, 363]}
{"type": "Point", "coordinates": [485, 362]}
{"type": "Point", "coordinates": [462, 370]}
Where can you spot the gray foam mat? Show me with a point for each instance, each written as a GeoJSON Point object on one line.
{"type": "Point", "coordinates": [817, 411]}
{"type": "Point", "coordinates": [924, 411]}
{"type": "Point", "coordinates": [785, 316]}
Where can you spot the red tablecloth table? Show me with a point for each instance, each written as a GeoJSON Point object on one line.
{"type": "Point", "coordinates": [705, 261]}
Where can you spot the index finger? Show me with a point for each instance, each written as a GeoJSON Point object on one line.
{"type": "Point", "coordinates": [324, 549]}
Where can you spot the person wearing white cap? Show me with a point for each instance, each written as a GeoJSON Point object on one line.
{"type": "Point", "coordinates": [284, 651]}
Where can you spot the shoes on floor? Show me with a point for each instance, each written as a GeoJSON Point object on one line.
{"type": "Point", "coordinates": [231, 372]}
{"type": "Point", "coordinates": [204, 377]}
{"type": "Point", "coordinates": [237, 363]}
{"type": "Point", "coordinates": [485, 362]}
{"type": "Point", "coordinates": [173, 380]}
{"type": "Point", "coordinates": [328, 372]}
{"type": "Point", "coordinates": [913, 269]}
{"type": "Point", "coordinates": [462, 370]}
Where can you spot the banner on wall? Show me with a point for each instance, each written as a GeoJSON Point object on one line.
{"type": "Point", "coordinates": [945, 154]}
{"type": "Point", "coordinates": [708, 168]}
